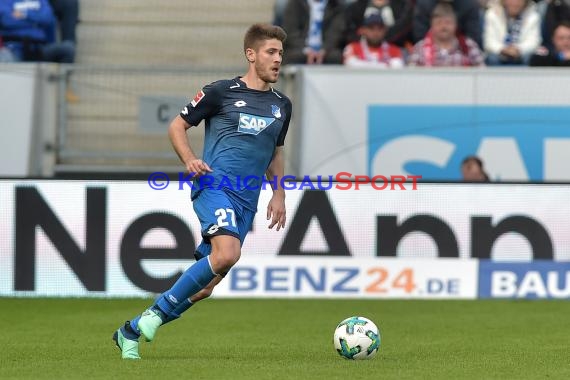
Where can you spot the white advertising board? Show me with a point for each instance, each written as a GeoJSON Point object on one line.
{"type": "Point", "coordinates": [335, 277]}
{"type": "Point", "coordinates": [17, 110]}
{"type": "Point", "coordinates": [60, 238]}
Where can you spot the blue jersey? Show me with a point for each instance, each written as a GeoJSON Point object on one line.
{"type": "Point", "coordinates": [243, 128]}
{"type": "Point", "coordinates": [38, 20]}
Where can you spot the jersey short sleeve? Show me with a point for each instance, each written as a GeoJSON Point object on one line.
{"type": "Point", "coordinates": [285, 128]}
{"type": "Point", "coordinates": [206, 103]}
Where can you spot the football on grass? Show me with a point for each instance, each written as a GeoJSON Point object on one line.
{"type": "Point", "coordinates": [357, 338]}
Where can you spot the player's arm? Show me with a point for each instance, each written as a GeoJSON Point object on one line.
{"type": "Point", "coordinates": [179, 140]}
{"type": "Point", "coordinates": [276, 206]}
{"type": "Point", "coordinates": [204, 105]}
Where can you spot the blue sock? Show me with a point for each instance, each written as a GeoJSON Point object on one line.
{"type": "Point", "coordinates": [176, 313]}
{"type": "Point", "coordinates": [191, 282]}
{"type": "Point", "coordinates": [129, 332]}
{"type": "Point", "coordinates": [135, 324]}
{"type": "Point", "coordinates": [181, 308]}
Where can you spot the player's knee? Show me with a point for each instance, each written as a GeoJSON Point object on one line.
{"type": "Point", "coordinates": [225, 253]}
{"type": "Point", "coordinates": [225, 260]}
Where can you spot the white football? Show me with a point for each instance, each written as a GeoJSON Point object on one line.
{"type": "Point", "coordinates": [357, 338]}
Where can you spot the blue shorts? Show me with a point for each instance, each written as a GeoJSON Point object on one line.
{"type": "Point", "coordinates": [218, 215]}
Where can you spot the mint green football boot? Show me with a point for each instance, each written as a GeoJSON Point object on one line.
{"type": "Point", "coordinates": [129, 348]}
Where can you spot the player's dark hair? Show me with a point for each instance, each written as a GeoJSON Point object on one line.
{"type": "Point", "coordinates": [261, 32]}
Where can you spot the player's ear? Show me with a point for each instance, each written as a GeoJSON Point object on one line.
{"type": "Point", "coordinates": [250, 55]}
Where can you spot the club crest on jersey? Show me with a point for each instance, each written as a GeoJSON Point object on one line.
{"type": "Point", "coordinates": [253, 124]}
{"type": "Point", "coordinates": [199, 96]}
{"type": "Point", "coordinates": [276, 111]}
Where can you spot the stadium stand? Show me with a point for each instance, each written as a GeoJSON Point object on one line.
{"type": "Point", "coordinates": [177, 32]}
{"type": "Point", "coordinates": [133, 48]}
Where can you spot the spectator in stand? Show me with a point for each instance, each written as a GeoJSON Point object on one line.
{"type": "Point", "coordinates": [443, 45]}
{"type": "Point", "coordinates": [26, 27]}
{"type": "Point", "coordinates": [5, 53]}
{"type": "Point", "coordinates": [67, 15]}
{"type": "Point", "coordinates": [559, 55]}
{"type": "Point", "coordinates": [512, 32]}
{"type": "Point", "coordinates": [278, 10]}
{"type": "Point", "coordinates": [315, 32]}
{"type": "Point", "coordinates": [483, 5]}
{"type": "Point", "coordinates": [556, 12]}
{"type": "Point", "coordinates": [466, 11]}
{"type": "Point", "coordinates": [472, 170]}
{"type": "Point", "coordinates": [396, 14]}
{"type": "Point", "coordinates": [372, 50]}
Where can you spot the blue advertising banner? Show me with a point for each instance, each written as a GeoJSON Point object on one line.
{"type": "Point", "coordinates": [515, 142]}
{"type": "Point", "coordinates": [532, 280]}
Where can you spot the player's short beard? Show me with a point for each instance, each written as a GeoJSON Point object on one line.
{"type": "Point", "coordinates": [262, 74]}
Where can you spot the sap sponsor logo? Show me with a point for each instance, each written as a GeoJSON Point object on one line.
{"type": "Point", "coordinates": [253, 124]}
{"type": "Point", "coordinates": [515, 143]}
{"type": "Point", "coordinates": [534, 280]}
{"type": "Point", "coordinates": [314, 280]}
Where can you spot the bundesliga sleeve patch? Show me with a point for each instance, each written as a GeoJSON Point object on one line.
{"type": "Point", "coordinates": [199, 96]}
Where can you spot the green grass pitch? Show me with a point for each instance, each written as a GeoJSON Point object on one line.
{"type": "Point", "coordinates": [288, 339]}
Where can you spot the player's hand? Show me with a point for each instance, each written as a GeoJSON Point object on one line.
{"type": "Point", "coordinates": [276, 211]}
{"type": "Point", "coordinates": [198, 167]}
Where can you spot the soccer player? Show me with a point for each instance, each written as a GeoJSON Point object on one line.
{"type": "Point", "coordinates": [246, 121]}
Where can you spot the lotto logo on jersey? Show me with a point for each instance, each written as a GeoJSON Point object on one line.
{"type": "Point", "coordinates": [253, 124]}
